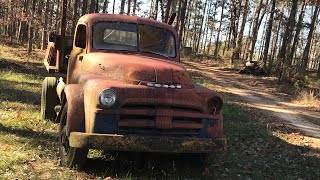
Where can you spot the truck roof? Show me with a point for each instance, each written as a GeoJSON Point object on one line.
{"type": "Point", "coordinates": [90, 19]}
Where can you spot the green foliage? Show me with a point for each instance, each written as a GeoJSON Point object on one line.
{"type": "Point", "coordinates": [300, 84]}
{"type": "Point", "coordinates": [228, 54]}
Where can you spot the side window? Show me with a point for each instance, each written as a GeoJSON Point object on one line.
{"type": "Point", "coordinates": [81, 37]}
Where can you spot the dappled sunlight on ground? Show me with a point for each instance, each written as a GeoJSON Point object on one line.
{"type": "Point", "coordinates": [300, 140]}
{"type": "Point", "coordinates": [257, 97]}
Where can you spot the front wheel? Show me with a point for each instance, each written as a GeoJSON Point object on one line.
{"type": "Point", "coordinates": [49, 98]}
{"type": "Point", "coordinates": [69, 156]}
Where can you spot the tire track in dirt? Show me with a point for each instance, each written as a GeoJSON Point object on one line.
{"type": "Point", "coordinates": [254, 97]}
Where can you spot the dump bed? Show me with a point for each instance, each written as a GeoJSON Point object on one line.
{"type": "Point", "coordinates": [54, 50]}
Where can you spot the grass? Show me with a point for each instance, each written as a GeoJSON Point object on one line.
{"type": "Point", "coordinates": [309, 99]}
{"type": "Point", "coordinates": [259, 150]}
{"type": "Point", "coordinates": [28, 145]}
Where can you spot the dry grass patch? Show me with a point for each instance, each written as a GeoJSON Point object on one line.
{"type": "Point", "coordinates": [309, 99]}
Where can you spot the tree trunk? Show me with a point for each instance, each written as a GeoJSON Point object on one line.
{"type": "Point", "coordinates": [75, 15]}
{"type": "Point", "coordinates": [235, 13]}
{"type": "Point", "coordinates": [30, 28]}
{"type": "Point", "coordinates": [162, 10]}
{"type": "Point", "coordinates": [227, 41]}
{"type": "Point", "coordinates": [122, 6]}
{"type": "Point", "coordinates": [105, 6]}
{"type": "Point", "coordinates": [268, 34]}
{"type": "Point", "coordinates": [45, 28]}
{"type": "Point", "coordinates": [154, 9]}
{"type": "Point", "coordinates": [306, 51]}
{"type": "Point", "coordinates": [178, 16]}
{"type": "Point", "coordinates": [113, 6]}
{"type": "Point", "coordinates": [255, 29]}
{"type": "Point", "coordinates": [171, 8]}
{"type": "Point", "coordinates": [23, 25]}
{"type": "Point", "coordinates": [287, 38]}
{"type": "Point", "coordinates": [182, 24]}
{"type": "Point", "coordinates": [92, 6]}
{"type": "Point", "coordinates": [84, 7]}
{"type": "Point", "coordinates": [188, 20]}
{"type": "Point", "coordinates": [298, 30]}
{"type": "Point", "coordinates": [97, 7]}
{"type": "Point", "coordinates": [134, 7]}
{"type": "Point", "coordinates": [238, 49]}
{"type": "Point", "coordinates": [202, 20]}
{"type": "Point", "coordinates": [216, 50]}
{"type": "Point", "coordinates": [263, 40]}
{"type": "Point", "coordinates": [129, 7]}
{"type": "Point", "coordinates": [57, 19]}
{"type": "Point", "coordinates": [318, 73]}
{"type": "Point", "coordinates": [205, 40]}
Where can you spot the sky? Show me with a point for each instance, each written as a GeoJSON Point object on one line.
{"type": "Point", "coordinates": [145, 7]}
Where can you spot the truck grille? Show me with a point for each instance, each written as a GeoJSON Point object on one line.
{"type": "Point", "coordinates": [160, 120]}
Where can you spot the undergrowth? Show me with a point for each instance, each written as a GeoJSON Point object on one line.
{"type": "Point", "coordinates": [309, 99]}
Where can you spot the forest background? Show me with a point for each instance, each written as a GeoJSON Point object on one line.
{"type": "Point", "coordinates": [283, 35]}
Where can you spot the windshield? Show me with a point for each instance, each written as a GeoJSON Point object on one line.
{"type": "Point", "coordinates": [115, 36]}
{"type": "Point", "coordinates": [132, 37]}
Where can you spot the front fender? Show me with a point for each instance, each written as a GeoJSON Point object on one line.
{"type": "Point", "coordinates": [75, 112]}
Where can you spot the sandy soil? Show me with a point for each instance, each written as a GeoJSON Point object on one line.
{"type": "Point", "coordinates": [260, 93]}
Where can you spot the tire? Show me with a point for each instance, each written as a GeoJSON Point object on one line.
{"type": "Point", "coordinates": [49, 98]}
{"type": "Point", "coordinates": [69, 157]}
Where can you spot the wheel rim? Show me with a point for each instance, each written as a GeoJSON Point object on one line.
{"type": "Point", "coordinates": [64, 140]}
{"type": "Point", "coordinates": [65, 147]}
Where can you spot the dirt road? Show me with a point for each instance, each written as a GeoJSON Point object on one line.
{"type": "Point", "coordinates": [261, 96]}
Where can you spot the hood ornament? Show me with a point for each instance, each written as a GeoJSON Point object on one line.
{"type": "Point", "coordinates": [172, 86]}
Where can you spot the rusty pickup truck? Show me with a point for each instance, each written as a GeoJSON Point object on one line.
{"type": "Point", "coordinates": [119, 86]}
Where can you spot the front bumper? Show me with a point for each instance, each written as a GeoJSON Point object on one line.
{"type": "Point", "coordinates": [146, 143]}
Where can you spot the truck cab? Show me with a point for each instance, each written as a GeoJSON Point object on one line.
{"type": "Point", "coordinates": [122, 88]}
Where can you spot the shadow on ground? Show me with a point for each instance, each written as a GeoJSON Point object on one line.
{"type": "Point", "coordinates": [33, 68]}
{"type": "Point", "coordinates": [8, 92]}
{"type": "Point", "coordinates": [35, 139]}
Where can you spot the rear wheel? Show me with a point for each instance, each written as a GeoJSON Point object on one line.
{"type": "Point", "coordinates": [49, 98]}
{"type": "Point", "coordinates": [69, 156]}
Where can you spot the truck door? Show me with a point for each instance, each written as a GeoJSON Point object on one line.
{"type": "Point", "coordinates": [77, 53]}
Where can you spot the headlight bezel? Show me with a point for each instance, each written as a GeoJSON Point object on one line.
{"type": "Point", "coordinates": [109, 93]}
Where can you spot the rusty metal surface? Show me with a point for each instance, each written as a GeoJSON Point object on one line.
{"type": "Point", "coordinates": [130, 94]}
{"type": "Point", "coordinates": [130, 67]}
{"type": "Point", "coordinates": [155, 96]}
{"type": "Point", "coordinates": [75, 111]}
{"type": "Point", "coordinates": [51, 58]}
{"type": "Point", "coordinates": [146, 144]}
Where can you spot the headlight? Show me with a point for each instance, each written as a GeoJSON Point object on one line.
{"type": "Point", "coordinates": [215, 105]}
{"type": "Point", "coordinates": [107, 97]}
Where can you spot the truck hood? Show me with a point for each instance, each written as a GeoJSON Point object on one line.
{"type": "Point", "coordinates": [137, 68]}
